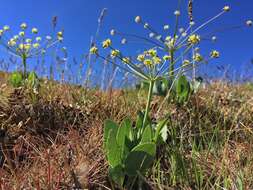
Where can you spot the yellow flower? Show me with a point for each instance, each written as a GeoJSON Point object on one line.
{"type": "Point", "coordinates": [141, 57]}
{"type": "Point", "coordinates": [168, 38]}
{"type": "Point", "coordinates": [215, 54]}
{"type": "Point", "coordinates": [22, 33]}
{"type": "Point", "coordinates": [38, 39]}
{"type": "Point", "coordinates": [23, 26]}
{"type": "Point", "coordinates": [126, 60]}
{"type": "Point", "coordinates": [6, 28]}
{"type": "Point", "coordinates": [11, 42]}
{"type": "Point", "coordinates": [107, 43]}
{"type": "Point", "coordinates": [94, 50]}
{"type": "Point", "coordinates": [28, 40]}
{"type": "Point", "coordinates": [148, 62]}
{"type": "Point", "coordinates": [115, 53]}
{"type": "Point", "coordinates": [166, 57]}
{"type": "Point", "coordinates": [194, 39]}
{"type": "Point", "coordinates": [36, 45]}
{"type": "Point", "coordinates": [27, 47]}
{"type": "Point", "coordinates": [197, 57]}
{"type": "Point", "coordinates": [35, 31]}
{"type": "Point", "coordinates": [21, 46]}
{"type": "Point", "coordinates": [226, 8]}
{"type": "Point", "coordinates": [1, 32]}
{"type": "Point", "coordinates": [186, 62]}
{"type": "Point", "coordinates": [60, 35]}
{"type": "Point", "coordinates": [157, 60]}
{"type": "Point", "coordinates": [152, 52]}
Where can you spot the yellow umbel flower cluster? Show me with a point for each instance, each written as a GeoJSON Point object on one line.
{"type": "Point", "coordinates": [152, 52]}
{"type": "Point", "coordinates": [60, 36]}
{"type": "Point", "coordinates": [35, 30]}
{"type": "Point", "coordinates": [107, 43]}
{"type": "Point", "coordinates": [215, 54]}
{"type": "Point", "coordinates": [194, 39]}
{"type": "Point", "coordinates": [148, 62]}
{"type": "Point", "coordinates": [166, 57]}
{"type": "Point", "coordinates": [141, 57]}
{"type": "Point", "coordinates": [126, 60]}
{"type": "Point", "coordinates": [115, 53]}
{"type": "Point", "coordinates": [23, 26]}
{"type": "Point", "coordinates": [94, 50]}
{"type": "Point", "coordinates": [197, 57]}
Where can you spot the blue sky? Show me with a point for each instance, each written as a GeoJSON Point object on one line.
{"type": "Point", "coordinates": [79, 20]}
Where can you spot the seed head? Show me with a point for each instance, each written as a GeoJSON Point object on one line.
{"type": "Point", "coordinates": [138, 19]}
{"type": "Point", "coordinates": [177, 13]}
{"type": "Point", "coordinates": [112, 32]}
{"type": "Point", "coordinates": [226, 8]}
{"type": "Point", "coordinates": [166, 27]}
{"type": "Point", "coordinates": [249, 22]}
{"type": "Point", "coordinates": [124, 41]}
{"type": "Point", "coordinates": [146, 25]}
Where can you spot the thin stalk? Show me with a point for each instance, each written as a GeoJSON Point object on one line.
{"type": "Point", "coordinates": [150, 91]}
{"type": "Point", "coordinates": [172, 64]}
{"type": "Point", "coordinates": [24, 65]}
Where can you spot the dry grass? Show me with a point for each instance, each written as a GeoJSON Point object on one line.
{"type": "Point", "coordinates": [53, 140]}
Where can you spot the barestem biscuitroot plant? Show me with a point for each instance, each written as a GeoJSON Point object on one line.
{"type": "Point", "coordinates": [26, 46]}
{"type": "Point", "coordinates": [130, 150]}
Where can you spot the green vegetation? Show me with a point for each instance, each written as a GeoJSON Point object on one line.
{"type": "Point", "coordinates": [171, 132]}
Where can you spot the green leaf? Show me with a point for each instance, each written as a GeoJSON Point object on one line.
{"type": "Point", "coordinates": [124, 133]}
{"type": "Point", "coordinates": [161, 130]}
{"type": "Point", "coordinates": [183, 89]}
{"type": "Point", "coordinates": [16, 79]}
{"type": "Point", "coordinates": [113, 150]}
{"type": "Point", "coordinates": [117, 174]}
{"type": "Point", "coordinates": [139, 121]}
{"type": "Point", "coordinates": [140, 158]}
{"type": "Point", "coordinates": [147, 135]}
{"type": "Point", "coordinates": [109, 125]}
{"type": "Point", "coordinates": [32, 80]}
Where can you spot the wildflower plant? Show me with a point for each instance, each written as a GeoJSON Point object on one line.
{"type": "Point", "coordinates": [157, 67]}
{"type": "Point", "coordinates": [27, 44]}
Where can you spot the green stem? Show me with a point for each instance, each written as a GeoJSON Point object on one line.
{"type": "Point", "coordinates": [24, 64]}
{"type": "Point", "coordinates": [150, 92]}
{"type": "Point", "coordinates": [172, 64]}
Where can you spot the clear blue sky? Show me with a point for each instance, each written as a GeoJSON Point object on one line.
{"type": "Point", "coordinates": [79, 20]}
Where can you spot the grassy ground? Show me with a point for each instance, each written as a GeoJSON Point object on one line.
{"type": "Point", "coordinates": [52, 139]}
